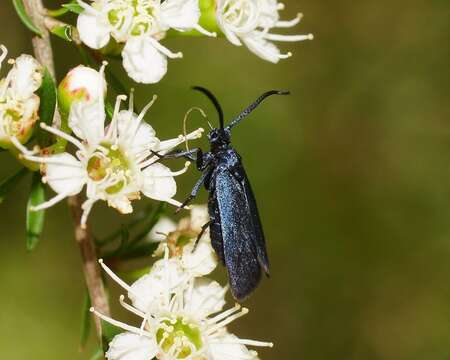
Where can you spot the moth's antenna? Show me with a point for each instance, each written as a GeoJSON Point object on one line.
{"type": "Point", "coordinates": [215, 102]}
{"type": "Point", "coordinates": [185, 121]}
{"type": "Point", "coordinates": [254, 105]}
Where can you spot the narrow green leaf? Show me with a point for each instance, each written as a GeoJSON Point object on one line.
{"type": "Point", "coordinates": [64, 32]}
{"type": "Point", "coordinates": [73, 7]}
{"type": "Point", "coordinates": [9, 183]}
{"type": "Point", "coordinates": [57, 12]}
{"type": "Point", "coordinates": [20, 9]}
{"type": "Point", "coordinates": [47, 94]}
{"type": "Point", "coordinates": [86, 322]}
{"type": "Point", "coordinates": [108, 333]}
{"type": "Point", "coordinates": [35, 219]}
{"type": "Point", "coordinates": [98, 354]}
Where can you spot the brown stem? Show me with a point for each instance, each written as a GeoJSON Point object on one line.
{"type": "Point", "coordinates": [44, 54]}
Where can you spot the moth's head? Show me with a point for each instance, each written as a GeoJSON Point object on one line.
{"type": "Point", "coordinates": [219, 138]}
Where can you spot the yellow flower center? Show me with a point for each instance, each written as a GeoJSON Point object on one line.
{"type": "Point", "coordinates": [179, 337]}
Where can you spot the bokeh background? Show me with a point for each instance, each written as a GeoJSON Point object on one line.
{"type": "Point", "coordinates": [351, 173]}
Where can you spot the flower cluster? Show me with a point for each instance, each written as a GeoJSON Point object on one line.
{"type": "Point", "coordinates": [181, 312]}
{"type": "Point", "coordinates": [19, 105]}
{"type": "Point", "coordinates": [140, 24]}
{"type": "Point", "coordinates": [115, 162]}
{"type": "Point", "coordinates": [250, 22]}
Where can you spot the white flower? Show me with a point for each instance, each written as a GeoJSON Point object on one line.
{"type": "Point", "coordinates": [140, 24]}
{"type": "Point", "coordinates": [250, 22]}
{"type": "Point", "coordinates": [181, 318]}
{"type": "Point", "coordinates": [19, 105]}
{"type": "Point", "coordinates": [198, 259]}
{"type": "Point", "coordinates": [115, 163]}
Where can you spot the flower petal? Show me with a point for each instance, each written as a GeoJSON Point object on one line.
{"type": "Point", "coordinates": [207, 298]}
{"type": "Point", "coordinates": [128, 346]}
{"type": "Point", "coordinates": [142, 138]}
{"type": "Point", "coordinates": [165, 225]}
{"type": "Point", "coordinates": [226, 348]}
{"type": "Point", "coordinates": [158, 183]}
{"type": "Point", "coordinates": [200, 262]}
{"type": "Point", "coordinates": [143, 63]}
{"type": "Point", "coordinates": [199, 216]}
{"type": "Point", "coordinates": [263, 48]}
{"type": "Point", "coordinates": [26, 76]}
{"type": "Point", "coordinates": [93, 31]}
{"type": "Point", "coordinates": [180, 14]}
{"type": "Point", "coordinates": [65, 175]}
{"type": "Point", "coordinates": [154, 289]}
{"type": "Point", "coordinates": [87, 121]}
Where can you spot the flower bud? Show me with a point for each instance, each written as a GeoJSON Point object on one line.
{"type": "Point", "coordinates": [80, 84]}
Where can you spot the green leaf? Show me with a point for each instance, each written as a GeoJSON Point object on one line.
{"type": "Point", "coordinates": [35, 219]}
{"type": "Point", "coordinates": [64, 32]}
{"type": "Point", "coordinates": [47, 93]}
{"type": "Point", "coordinates": [86, 322]}
{"type": "Point", "coordinates": [20, 9]}
{"type": "Point", "coordinates": [8, 184]}
{"type": "Point", "coordinates": [74, 7]}
{"type": "Point", "coordinates": [108, 333]}
{"type": "Point", "coordinates": [57, 12]}
{"type": "Point", "coordinates": [97, 355]}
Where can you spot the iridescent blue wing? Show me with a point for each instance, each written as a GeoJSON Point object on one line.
{"type": "Point", "coordinates": [241, 232]}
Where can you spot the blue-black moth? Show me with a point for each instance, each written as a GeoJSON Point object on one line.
{"type": "Point", "coordinates": [235, 226]}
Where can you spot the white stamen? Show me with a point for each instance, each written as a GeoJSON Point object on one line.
{"type": "Point", "coordinates": [245, 342]}
{"type": "Point", "coordinates": [49, 203]}
{"type": "Point", "coordinates": [174, 173]}
{"type": "Point", "coordinates": [50, 160]}
{"type": "Point", "coordinates": [289, 38]}
{"type": "Point", "coordinates": [130, 308]}
{"type": "Point", "coordinates": [87, 207]}
{"type": "Point", "coordinates": [204, 31]}
{"type": "Point", "coordinates": [119, 324]}
{"type": "Point", "coordinates": [225, 314]}
{"type": "Point", "coordinates": [290, 23]}
{"type": "Point", "coordinates": [63, 135]}
{"type": "Point", "coordinates": [112, 130]}
{"type": "Point", "coordinates": [165, 50]}
{"type": "Point", "coordinates": [114, 276]}
{"type": "Point", "coordinates": [228, 320]}
{"type": "Point", "coordinates": [22, 148]}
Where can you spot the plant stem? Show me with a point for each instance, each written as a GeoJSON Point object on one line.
{"type": "Point", "coordinates": [44, 54]}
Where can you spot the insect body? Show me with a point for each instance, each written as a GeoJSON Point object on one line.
{"type": "Point", "coordinates": [235, 227]}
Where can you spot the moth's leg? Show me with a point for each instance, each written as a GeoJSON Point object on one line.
{"type": "Point", "coordinates": [189, 154]}
{"type": "Point", "coordinates": [195, 190]}
{"type": "Point", "coordinates": [204, 227]}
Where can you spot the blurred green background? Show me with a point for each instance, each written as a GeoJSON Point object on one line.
{"type": "Point", "coordinates": [351, 173]}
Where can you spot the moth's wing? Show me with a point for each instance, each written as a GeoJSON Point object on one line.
{"type": "Point", "coordinates": [257, 226]}
{"type": "Point", "coordinates": [215, 228]}
{"type": "Point", "coordinates": [241, 256]}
